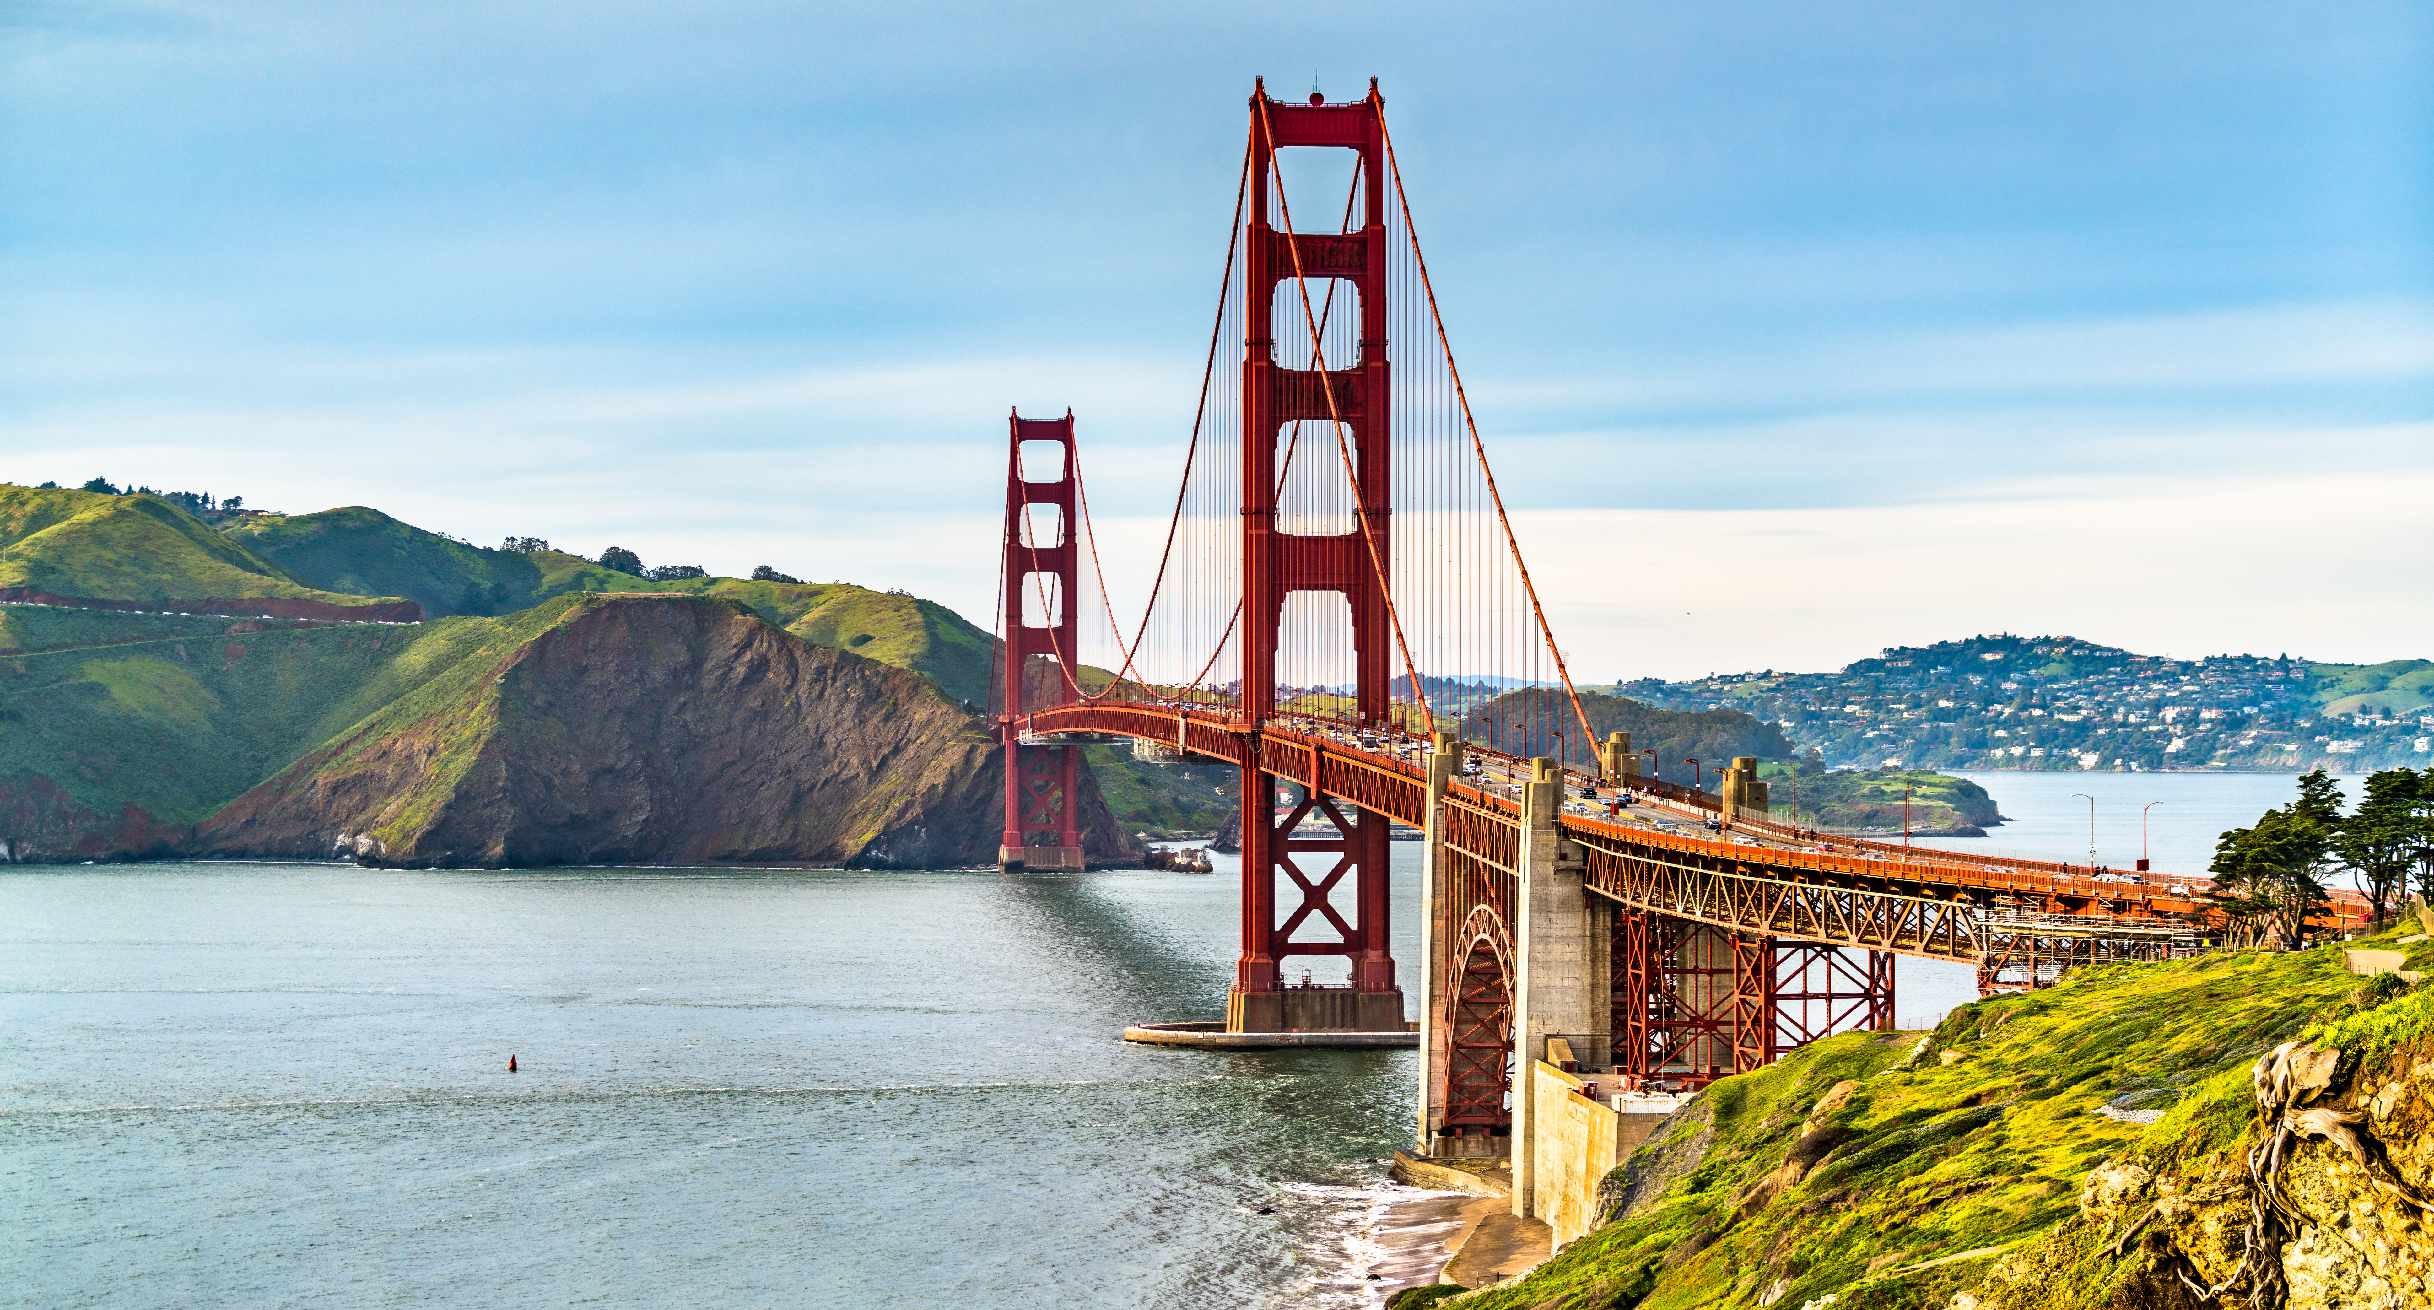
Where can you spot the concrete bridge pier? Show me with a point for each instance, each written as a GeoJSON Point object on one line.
{"type": "Point", "coordinates": [1444, 765]}
{"type": "Point", "coordinates": [1562, 975]}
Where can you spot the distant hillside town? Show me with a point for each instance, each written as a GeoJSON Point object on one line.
{"type": "Point", "coordinates": [2011, 702]}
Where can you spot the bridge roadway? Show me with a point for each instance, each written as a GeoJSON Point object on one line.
{"type": "Point", "coordinates": [1755, 877]}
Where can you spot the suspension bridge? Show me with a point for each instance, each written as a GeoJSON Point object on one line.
{"type": "Point", "coordinates": [1341, 612]}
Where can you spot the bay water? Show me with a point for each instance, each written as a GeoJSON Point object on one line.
{"type": "Point", "coordinates": [234, 1084]}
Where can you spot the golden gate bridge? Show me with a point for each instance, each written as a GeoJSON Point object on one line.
{"type": "Point", "coordinates": [1339, 589]}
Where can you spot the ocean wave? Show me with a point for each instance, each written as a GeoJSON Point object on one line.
{"type": "Point", "coordinates": [1369, 1241]}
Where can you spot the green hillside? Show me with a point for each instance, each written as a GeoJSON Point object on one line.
{"type": "Point", "coordinates": [2065, 1148]}
{"type": "Point", "coordinates": [229, 708]}
{"type": "Point", "coordinates": [897, 629]}
{"type": "Point", "coordinates": [1871, 800]}
{"type": "Point", "coordinates": [140, 550]}
{"type": "Point", "coordinates": [28, 628]}
{"type": "Point", "coordinates": [2391, 689]}
{"type": "Point", "coordinates": [363, 550]}
{"type": "Point", "coordinates": [366, 552]}
{"type": "Point", "coordinates": [93, 698]}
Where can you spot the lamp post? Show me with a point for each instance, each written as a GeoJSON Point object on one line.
{"type": "Point", "coordinates": [2144, 862]}
{"type": "Point", "coordinates": [1693, 762]}
{"type": "Point", "coordinates": [1656, 768]}
{"type": "Point", "coordinates": [2091, 828]}
{"type": "Point", "coordinates": [1909, 788]}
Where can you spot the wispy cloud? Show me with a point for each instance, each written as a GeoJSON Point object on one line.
{"type": "Point", "coordinates": [1771, 296]}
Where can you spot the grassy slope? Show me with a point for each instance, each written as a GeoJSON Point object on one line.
{"type": "Point", "coordinates": [897, 629]}
{"type": "Point", "coordinates": [363, 550]}
{"type": "Point", "coordinates": [2393, 687]}
{"type": "Point", "coordinates": [1192, 800]}
{"type": "Point", "coordinates": [179, 726]}
{"type": "Point", "coordinates": [229, 708]}
{"type": "Point", "coordinates": [26, 628]}
{"type": "Point", "coordinates": [356, 549]}
{"type": "Point", "coordinates": [1962, 1149]}
{"type": "Point", "coordinates": [90, 546]}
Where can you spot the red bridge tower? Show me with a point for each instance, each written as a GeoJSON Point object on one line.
{"type": "Point", "coordinates": [1043, 780]}
{"type": "Point", "coordinates": [1277, 563]}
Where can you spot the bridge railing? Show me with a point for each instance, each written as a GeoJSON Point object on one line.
{"type": "Point", "coordinates": [1385, 772]}
{"type": "Point", "coordinates": [2059, 867]}
{"type": "Point", "coordinates": [1863, 865]}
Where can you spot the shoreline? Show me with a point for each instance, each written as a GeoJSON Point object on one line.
{"type": "Point", "coordinates": [1413, 1237]}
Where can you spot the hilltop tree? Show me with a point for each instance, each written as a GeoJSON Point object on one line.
{"type": "Point", "coordinates": [525, 545]}
{"type": "Point", "coordinates": [676, 572]}
{"type": "Point", "coordinates": [2319, 798]}
{"type": "Point", "coordinates": [622, 560]}
{"type": "Point", "coordinates": [2387, 835]}
{"type": "Point", "coordinates": [101, 485]}
{"type": "Point", "coordinates": [2270, 877]}
{"type": "Point", "coordinates": [2423, 854]}
{"type": "Point", "coordinates": [764, 573]}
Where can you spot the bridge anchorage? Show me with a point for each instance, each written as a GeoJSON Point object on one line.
{"type": "Point", "coordinates": [1342, 615]}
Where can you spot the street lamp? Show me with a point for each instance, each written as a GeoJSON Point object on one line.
{"type": "Point", "coordinates": [2091, 828]}
{"type": "Point", "coordinates": [2144, 863]}
{"type": "Point", "coordinates": [1909, 788]}
{"type": "Point", "coordinates": [1656, 768]}
{"type": "Point", "coordinates": [1693, 762]}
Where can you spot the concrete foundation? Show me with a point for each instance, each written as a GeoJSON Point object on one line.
{"type": "Point", "coordinates": [1217, 1037]}
{"type": "Point", "coordinates": [1040, 859]}
{"type": "Point", "coordinates": [1583, 1129]}
{"type": "Point", "coordinates": [1314, 1009]}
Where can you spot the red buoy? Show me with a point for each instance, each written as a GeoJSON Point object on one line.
{"type": "Point", "coordinates": [511, 1064]}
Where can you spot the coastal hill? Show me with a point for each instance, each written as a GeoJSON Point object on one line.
{"type": "Point", "coordinates": [362, 550]}
{"type": "Point", "coordinates": [1526, 723]}
{"type": "Point", "coordinates": [96, 550]}
{"type": "Point", "coordinates": [2009, 702]}
{"type": "Point", "coordinates": [1801, 789]}
{"type": "Point", "coordinates": [135, 720]}
{"type": "Point", "coordinates": [641, 729]}
{"type": "Point", "coordinates": [2088, 1145]}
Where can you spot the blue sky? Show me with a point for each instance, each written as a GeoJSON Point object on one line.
{"type": "Point", "coordinates": [1878, 323]}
